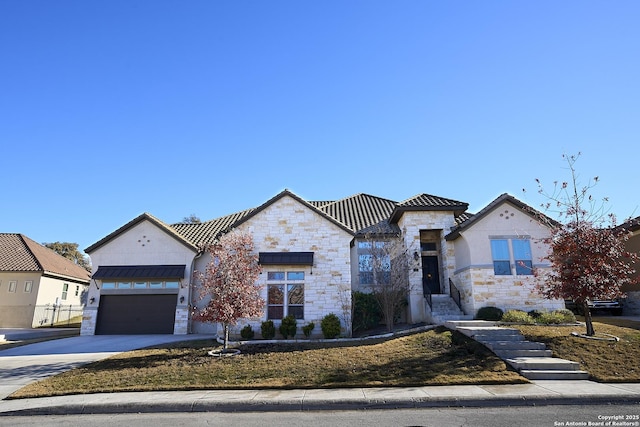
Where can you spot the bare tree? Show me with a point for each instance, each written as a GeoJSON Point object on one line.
{"type": "Point", "coordinates": [386, 269]}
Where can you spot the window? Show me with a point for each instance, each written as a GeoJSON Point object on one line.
{"type": "Point", "coordinates": [77, 290]}
{"type": "Point", "coordinates": [12, 286]}
{"type": "Point", "coordinates": [500, 254]}
{"type": "Point", "coordinates": [28, 285]}
{"type": "Point", "coordinates": [374, 265]}
{"type": "Point", "coordinates": [108, 285]}
{"type": "Point", "coordinates": [65, 289]}
{"type": "Point", "coordinates": [287, 297]}
{"type": "Point", "coordinates": [522, 257]}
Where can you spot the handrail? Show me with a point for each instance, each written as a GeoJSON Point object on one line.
{"type": "Point", "coordinates": [454, 293]}
{"type": "Point", "coordinates": [427, 296]}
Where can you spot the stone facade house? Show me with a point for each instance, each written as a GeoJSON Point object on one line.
{"type": "Point", "coordinates": [35, 282]}
{"type": "Point", "coordinates": [313, 255]}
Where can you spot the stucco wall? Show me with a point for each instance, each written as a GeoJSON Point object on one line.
{"type": "Point", "coordinates": [474, 274]}
{"type": "Point", "coordinates": [288, 226]}
{"type": "Point", "coordinates": [16, 308]}
{"type": "Point", "coordinates": [143, 244]}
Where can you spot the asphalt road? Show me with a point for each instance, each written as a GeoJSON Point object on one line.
{"type": "Point", "coordinates": [543, 416]}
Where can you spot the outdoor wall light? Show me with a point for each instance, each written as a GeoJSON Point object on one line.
{"type": "Point", "coordinates": [416, 256]}
{"type": "Point", "coordinates": [92, 300]}
{"type": "Point", "coordinates": [181, 299]}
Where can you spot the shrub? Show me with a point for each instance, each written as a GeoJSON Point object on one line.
{"type": "Point", "coordinates": [288, 327]}
{"type": "Point", "coordinates": [517, 316]}
{"type": "Point", "coordinates": [489, 313]}
{"type": "Point", "coordinates": [247, 332]}
{"type": "Point", "coordinates": [306, 329]}
{"type": "Point", "coordinates": [535, 314]}
{"type": "Point", "coordinates": [366, 311]}
{"type": "Point", "coordinates": [268, 329]}
{"type": "Point", "coordinates": [556, 317]}
{"type": "Point", "coordinates": [330, 326]}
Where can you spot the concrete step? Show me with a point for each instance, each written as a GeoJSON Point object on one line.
{"type": "Point", "coordinates": [540, 374]}
{"type": "Point", "coordinates": [514, 345]}
{"type": "Point", "coordinates": [543, 363]}
{"type": "Point", "coordinates": [515, 353]}
{"type": "Point", "coordinates": [492, 333]}
{"type": "Point", "coordinates": [468, 323]}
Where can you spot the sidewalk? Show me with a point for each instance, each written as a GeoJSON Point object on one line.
{"type": "Point", "coordinates": [548, 392]}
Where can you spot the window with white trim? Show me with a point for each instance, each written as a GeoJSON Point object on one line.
{"type": "Point", "coordinates": [65, 290]}
{"type": "Point", "coordinates": [507, 252]}
{"type": "Point", "coordinates": [28, 286]}
{"type": "Point", "coordinates": [12, 285]}
{"type": "Point", "coordinates": [285, 294]}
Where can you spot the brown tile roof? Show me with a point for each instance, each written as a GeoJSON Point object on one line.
{"type": "Point", "coordinates": [360, 211]}
{"type": "Point", "coordinates": [20, 253]}
{"type": "Point", "coordinates": [205, 233]}
{"type": "Point", "coordinates": [427, 202]}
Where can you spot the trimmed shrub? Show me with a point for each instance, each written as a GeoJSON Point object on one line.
{"type": "Point", "coordinates": [330, 326]}
{"type": "Point", "coordinates": [247, 332]}
{"type": "Point", "coordinates": [268, 329]}
{"type": "Point", "coordinates": [288, 327]}
{"type": "Point", "coordinates": [489, 313]}
{"type": "Point", "coordinates": [535, 314]}
{"type": "Point", "coordinates": [306, 329]}
{"type": "Point", "coordinates": [556, 317]}
{"type": "Point", "coordinates": [366, 311]}
{"type": "Point", "coordinates": [517, 316]}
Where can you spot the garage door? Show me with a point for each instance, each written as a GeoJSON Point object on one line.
{"type": "Point", "coordinates": [136, 314]}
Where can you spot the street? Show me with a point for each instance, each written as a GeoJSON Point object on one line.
{"type": "Point", "coordinates": [564, 415]}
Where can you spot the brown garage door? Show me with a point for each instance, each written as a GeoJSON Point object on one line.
{"type": "Point", "coordinates": [136, 314]}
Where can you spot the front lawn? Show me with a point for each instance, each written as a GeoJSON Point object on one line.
{"type": "Point", "coordinates": [435, 357]}
{"type": "Point", "coordinates": [606, 361]}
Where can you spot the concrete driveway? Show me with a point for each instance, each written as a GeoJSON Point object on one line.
{"type": "Point", "coordinates": [20, 366]}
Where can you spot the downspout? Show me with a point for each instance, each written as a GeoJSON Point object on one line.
{"type": "Point", "coordinates": [193, 265]}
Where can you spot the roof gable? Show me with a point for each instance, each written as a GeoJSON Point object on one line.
{"type": "Point", "coordinates": [287, 193]}
{"type": "Point", "coordinates": [427, 202]}
{"type": "Point", "coordinates": [140, 218]}
{"type": "Point", "coordinates": [20, 253]}
{"type": "Point", "coordinates": [503, 198]}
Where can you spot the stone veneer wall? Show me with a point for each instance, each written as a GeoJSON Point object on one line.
{"type": "Point", "coordinates": [289, 226]}
{"type": "Point", "coordinates": [632, 304]}
{"type": "Point", "coordinates": [480, 288]}
{"type": "Point", "coordinates": [411, 223]}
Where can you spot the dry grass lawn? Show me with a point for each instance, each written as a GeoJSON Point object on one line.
{"type": "Point", "coordinates": [429, 358]}
{"type": "Point", "coordinates": [605, 361]}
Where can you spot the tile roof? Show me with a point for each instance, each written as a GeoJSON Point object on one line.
{"type": "Point", "coordinates": [360, 211]}
{"type": "Point", "coordinates": [427, 202]}
{"type": "Point", "coordinates": [20, 253]}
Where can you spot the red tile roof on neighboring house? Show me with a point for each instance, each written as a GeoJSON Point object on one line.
{"type": "Point", "coordinates": [18, 253]}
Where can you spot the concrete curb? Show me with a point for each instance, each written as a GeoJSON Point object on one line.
{"type": "Point", "coordinates": [542, 394]}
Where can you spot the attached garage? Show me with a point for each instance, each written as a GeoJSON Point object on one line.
{"type": "Point", "coordinates": [136, 314]}
{"type": "Point", "coordinates": [138, 299]}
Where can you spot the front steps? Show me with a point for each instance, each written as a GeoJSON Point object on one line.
{"type": "Point", "coordinates": [444, 309]}
{"type": "Point", "coordinates": [532, 359]}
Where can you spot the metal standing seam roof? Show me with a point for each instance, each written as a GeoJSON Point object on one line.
{"type": "Point", "coordinates": [20, 253]}
{"type": "Point", "coordinates": [140, 272]}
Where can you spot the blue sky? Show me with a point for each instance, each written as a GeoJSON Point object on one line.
{"type": "Point", "coordinates": [113, 108]}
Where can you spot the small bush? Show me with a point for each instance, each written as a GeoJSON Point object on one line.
{"type": "Point", "coordinates": [535, 314]}
{"type": "Point", "coordinates": [247, 332]}
{"type": "Point", "coordinates": [517, 316]}
{"type": "Point", "coordinates": [306, 329]}
{"type": "Point", "coordinates": [268, 329]}
{"type": "Point", "coordinates": [366, 311]}
{"type": "Point", "coordinates": [330, 326]}
{"type": "Point", "coordinates": [288, 327]}
{"type": "Point", "coordinates": [489, 313]}
{"type": "Point", "coordinates": [556, 317]}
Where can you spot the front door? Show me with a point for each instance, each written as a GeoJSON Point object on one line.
{"type": "Point", "coordinates": [430, 275]}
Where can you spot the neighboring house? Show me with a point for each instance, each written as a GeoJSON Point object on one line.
{"type": "Point", "coordinates": [311, 254]}
{"type": "Point", "coordinates": [632, 302]}
{"type": "Point", "coordinates": [34, 279]}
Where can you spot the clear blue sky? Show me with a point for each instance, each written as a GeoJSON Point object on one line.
{"type": "Point", "coordinates": [112, 108]}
